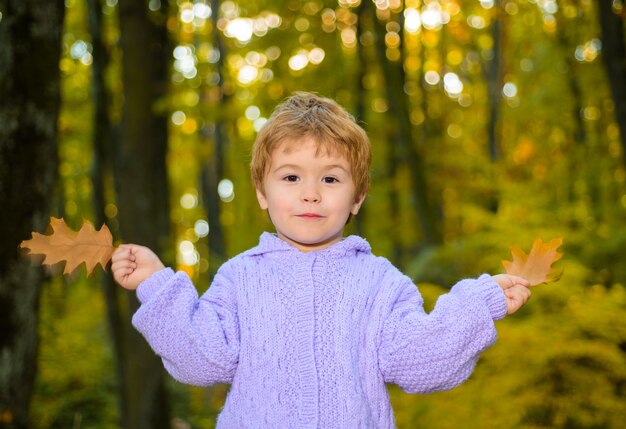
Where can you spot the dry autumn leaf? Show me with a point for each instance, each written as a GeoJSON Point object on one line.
{"type": "Point", "coordinates": [536, 267]}
{"type": "Point", "coordinates": [87, 245]}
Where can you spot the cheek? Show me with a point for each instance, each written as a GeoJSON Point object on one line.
{"type": "Point", "coordinates": [349, 200]}
{"type": "Point", "coordinates": [279, 203]}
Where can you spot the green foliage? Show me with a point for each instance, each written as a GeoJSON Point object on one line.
{"type": "Point", "coordinates": [75, 382]}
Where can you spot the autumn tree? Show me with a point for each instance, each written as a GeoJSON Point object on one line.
{"type": "Point", "coordinates": [142, 189]}
{"type": "Point", "coordinates": [213, 170]}
{"type": "Point", "coordinates": [30, 47]}
{"type": "Point", "coordinates": [493, 75]}
{"type": "Point", "coordinates": [614, 55]}
{"type": "Point", "coordinates": [101, 170]}
{"type": "Point", "coordinates": [400, 108]}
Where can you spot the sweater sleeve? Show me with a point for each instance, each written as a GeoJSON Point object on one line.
{"type": "Point", "coordinates": [197, 338]}
{"type": "Point", "coordinates": [425, 353]}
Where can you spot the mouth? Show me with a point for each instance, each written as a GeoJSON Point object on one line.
{"type": "Point", "coordinates": [309, 216]}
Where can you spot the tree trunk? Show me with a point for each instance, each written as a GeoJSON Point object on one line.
{"type": "Point", "coordinates": [574, 86]}
{"type": "Point", "coordinates": [142, 188]}
{"type": "Point", "coordinates": [213, 170]}
{"type": "Point", "coordinates": [614, 55]}
{"type": "Point", "coordinates": [494, 84]}
{"type": "Point", "coordinates": [568, 37]}
{"type": "Point", "coordinates": [30, 49]}
{"type": "Point", "coordinates": [361, 94]}
{"type": "Point", "coordinates": [493, 76]}
{"type": "Point", "coordinates": [101, 171]}
{"type": "Point", "coordinates": [393, 72]}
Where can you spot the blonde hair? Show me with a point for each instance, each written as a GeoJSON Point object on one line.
{"type": "Point", "coordinates": [308, 115]}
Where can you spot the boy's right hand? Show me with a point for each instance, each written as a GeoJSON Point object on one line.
{"type": "Point", "coordinates": [131, 264]}
{"type": "Point", "coordinates": [516, 291]}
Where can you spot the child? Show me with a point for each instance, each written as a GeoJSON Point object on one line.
{"type": "Point", "coordinates": [308, 326]}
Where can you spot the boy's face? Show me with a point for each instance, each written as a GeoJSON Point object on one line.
{"type": "Point", "coordinates": [308, 195]}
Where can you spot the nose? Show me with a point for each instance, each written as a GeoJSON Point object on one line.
{"type": "Point", "coordinates": [310, 194]}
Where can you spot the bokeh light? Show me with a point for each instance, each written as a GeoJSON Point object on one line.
{"type": "Point", "coordinates": [226, 190]}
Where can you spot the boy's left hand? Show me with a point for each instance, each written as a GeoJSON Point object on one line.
{"type": "Point", "coordinates": [516, 290]}
{"type": "Point", "coordinates": [132, 264]}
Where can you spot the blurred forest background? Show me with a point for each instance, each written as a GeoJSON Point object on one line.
{"type": "Point", "coordinates": [493, 122]}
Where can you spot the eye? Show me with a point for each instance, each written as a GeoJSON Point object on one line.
{"type": "Point", "coordinates": [290, 178]}
{"type": "Point", "coordinates": [329, 179]}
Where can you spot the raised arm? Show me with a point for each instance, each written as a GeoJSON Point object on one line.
{"type": "Point", "coordinates": [424, 353]}
{"type": "Point", "coordinates": [197, 338]}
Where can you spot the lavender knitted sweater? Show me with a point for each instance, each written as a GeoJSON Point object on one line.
{"type": "Point", "coordinates": [308, 340]}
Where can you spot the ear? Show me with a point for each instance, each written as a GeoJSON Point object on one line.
{"type": "Point", "coordinates": [357, 204]}
{"type": "Point", "coordinates": [261, 199]}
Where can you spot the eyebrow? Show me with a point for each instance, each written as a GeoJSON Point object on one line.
{"type": "Point", "coordinates": [296, 167]}
{"type": "Point", "coordinates": [330, 167]}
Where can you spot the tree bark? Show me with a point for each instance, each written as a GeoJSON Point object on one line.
{"type": "Point", "coordinates": [399, 105]}
{"type": "Point", "coordinates": [493, 77]}
{"type": "Point", "coordinates": [30, 49]}
{"type": "Point", "coordinates": [213, 170]}
{"type": "Point", "coordinates": [494, 84]}
{"type": "Point", "coordinates": [142, 189]}
{"type": "Point", "coordinates": [361, 94]}
{"type": "Point", "coordinates": [614, 56]}
{"type": "Point", "coordinates": [573, 84]}
{"type": "Point", "coordinates": [101, 172]}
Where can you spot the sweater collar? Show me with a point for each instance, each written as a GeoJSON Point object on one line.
{"type": "Point", "coordinates": [271, 243]}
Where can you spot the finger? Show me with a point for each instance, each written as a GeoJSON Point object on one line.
{"type": "Point", "coordinates": [519, 293]}
{"type": "Point", "coordinates": [506, 281]}
{"type": "Point", "coordinates": [524, 290]}
{"type": "Point", "coordinates": [131, 249]}
{"type": "Point", "coordinates": [515, 302]}
{"type": "Point", "coordinates": [121, 258]}
{"type": "Point", "coordinates": [517, 280]}
{"type": "Point", "coordinates": [120, 253]}
{"type": "Point", "coordinates": [123, 265]}
{"type": "Point", "coordinates": [527, 295]}
{"type": "Point", "coordinates": [515, 291]}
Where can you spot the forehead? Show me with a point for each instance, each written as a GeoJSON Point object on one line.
{"type": "Point", "coordinates": [326, 148]}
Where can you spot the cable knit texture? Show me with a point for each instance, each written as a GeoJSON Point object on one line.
{"type": "Point", "coordinates": [308, 340]}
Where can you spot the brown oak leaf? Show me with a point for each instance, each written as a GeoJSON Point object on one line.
{"type": "Point", "coordinates": [536, 267]}
{"type": "Point", "coordinates": [86, 245]}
